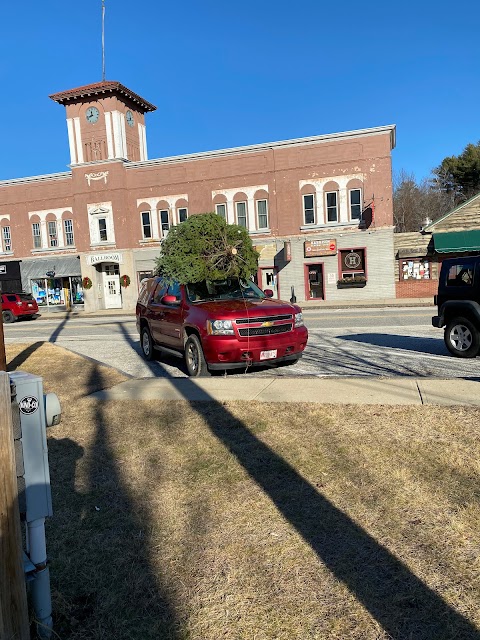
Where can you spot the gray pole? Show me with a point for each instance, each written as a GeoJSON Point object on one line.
{"type": "Point", "coordinates": [103, 40]}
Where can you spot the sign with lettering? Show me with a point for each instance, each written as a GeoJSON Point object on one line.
{"type": "Point", "coordinates": [3, 268]}
{"type": "Point", "coordinates": [322, 247]}
{"type": "Point", "coordinates": [287, 250]}
{"type": "Point", "coordinates": [353, 260]}
{"type": "Point", "coordinates": [266, 251]}
{"type": "Point", "coordinates": [105, 257]}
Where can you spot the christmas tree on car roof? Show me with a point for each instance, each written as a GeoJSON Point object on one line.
{"type": "Point", "coordinates": [205, 247]}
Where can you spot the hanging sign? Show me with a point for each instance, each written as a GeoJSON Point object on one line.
{"type": "Point", "coordinates": [287, 250]}
{"type": "Point", "coordinates": [323, 247]}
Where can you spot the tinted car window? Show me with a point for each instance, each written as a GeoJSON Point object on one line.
{"type": "Point", "coordinates": [174, 290]}
{"type": "Point", "coordinates": [460, 275]}
{"type": "Point", "coordinates": [11, 298]}
{"type": "Point", "coordinates": [160, 291]}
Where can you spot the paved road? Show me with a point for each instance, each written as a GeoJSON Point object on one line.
{"type": "Point", "coordinates": [347, 342]}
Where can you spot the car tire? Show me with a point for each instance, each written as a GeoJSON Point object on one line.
{"type": "Point", "coordinates": [462, 338]}
{"type": "Point", "coordinates": [194, 358]}
{"type": "Point", "coordinates": [146, 343]}
{"type": "Point", "coordinates": [8, 317]}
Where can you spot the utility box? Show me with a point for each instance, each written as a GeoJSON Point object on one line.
{"type": "Point", "coordinates": [30, 436]}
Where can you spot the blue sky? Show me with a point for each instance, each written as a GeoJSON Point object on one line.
{"type": "Point", "coordinates": [226, 74]}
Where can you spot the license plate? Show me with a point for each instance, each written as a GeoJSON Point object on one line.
{"type": "Point", "coordinates": [267, 355]}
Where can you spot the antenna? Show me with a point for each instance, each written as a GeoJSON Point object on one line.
{"type": "Point", "coordinates": [103, 40]}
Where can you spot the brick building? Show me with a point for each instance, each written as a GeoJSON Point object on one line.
{"type": "Point", "coordinates": [318, 209]}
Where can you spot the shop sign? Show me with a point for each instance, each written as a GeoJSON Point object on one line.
{"type": "Point", "coordinates": [3, 268]}
{"type": "Point", "coordinates": [353, 260]}
{"type": "Point", "coordinates": [266, 251]}
{"type": "Point", "coordinates": [287, 250]}
{"type": "Point", "coordinates": [105, 257]}
{"type": "Point", "coordinates": [323, 247]}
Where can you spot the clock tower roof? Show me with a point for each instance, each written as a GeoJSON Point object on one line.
{"type": "Point", "coordinates": [104, 88]}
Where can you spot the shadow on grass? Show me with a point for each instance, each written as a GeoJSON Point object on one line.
{"type": "Point", "coordinates": [104, 585]}
{"type": "Point", "coordinates": [399, 601]}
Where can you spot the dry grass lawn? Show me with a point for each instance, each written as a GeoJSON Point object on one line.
{"type": "Point", "coordinates": [250, 521]}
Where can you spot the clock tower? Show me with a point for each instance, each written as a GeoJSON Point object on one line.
{"type": "Point", "coordinates": [105, 121]}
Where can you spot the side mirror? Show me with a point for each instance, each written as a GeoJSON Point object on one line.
{"type": "Point", "coordinates": [169, 300]}
{"type": "Point", "coordinates": [268, 293]}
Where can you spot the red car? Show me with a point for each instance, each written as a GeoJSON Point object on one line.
{"type": "Point", "coordinates": [219, 325]}
{"type": "Point", "coordinates": [18, 305]}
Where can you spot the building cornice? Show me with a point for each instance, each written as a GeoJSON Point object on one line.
{"type": "Point", "coordinates": [32, 179]}
{"type": "Point", "coordinates": [330, 137]}
{"type": "Point", "coordinates": [101, 89]}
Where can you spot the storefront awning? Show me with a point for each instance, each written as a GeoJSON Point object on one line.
{"type": "Point", "coordinates": [457, 241]}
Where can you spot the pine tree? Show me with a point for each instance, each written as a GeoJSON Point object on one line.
{"type": "Point", "coordinates": [205, 247]}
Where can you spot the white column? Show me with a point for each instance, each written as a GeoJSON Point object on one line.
{"type": "Point", "coordinates": [78, 139]}
{"type": "Point", "coordinates": [251, 225]}
{"type": "Point", "coordinates": [60, 234]}
{"type": "Point", "coordinates": [108, 129]}
{"type": "Point", "coordinates": [124, 136]}
{"type": "Point", "coordinates": [319, 204]}
{"type": "Point", "coordinates": [43, 232]}
{"type": "Point", "coordinates": [342, 204]}
{"type": "Point", "coordinates": [230, 211]}
{"type": "Point", "coordinates": [117, 134]}
{"type": "Point", "coordinates": [143, 141]}
{"type": "Point", "coordinates": [71, 141]}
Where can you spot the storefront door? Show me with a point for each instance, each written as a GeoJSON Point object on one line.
{"type": "Point", "coordinates": [269, 280]}
{"type": "Point", "coordinates": [314, 282]}
{"type": "Point", "coordinates": [111, 283]}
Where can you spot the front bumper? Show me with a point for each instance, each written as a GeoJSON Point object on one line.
{"type": "Point", "coordinates": [231, 352]}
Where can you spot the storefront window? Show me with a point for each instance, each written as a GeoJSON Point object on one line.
{"type": "Point", "coordinates": [352, 263]}
{"type": "Point", "coordinates": [417, 269]}
{"type": "Point", "coordinates": [50, 292]}
{"type": "Point", "coordinates": [39, 291]}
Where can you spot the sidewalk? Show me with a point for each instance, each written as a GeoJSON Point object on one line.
{"type": "Point", "coordinates": [388, 391]}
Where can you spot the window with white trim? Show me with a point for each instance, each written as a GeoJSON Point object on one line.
{"type": "Point", "coordinates": [332, 206]}
{"type": "Point", "coordinates": [7, 239]}
{"type": "Point", "coordinates": [102, 229]}
{"type": "Point", "coordinates": [309, 208]}
{"type": "Point", "coordinates": [164, 220]}
{"type": "Point", "coordinates": [241, 214]}
{"type": "Point", "coordinates": [355, 204]}
{"type": "Point", "coordinates": [182, 214]}
{"type": "Point", "coordinates": [262, 214]}
{"type": "Point", "coordinates": [68, 228]}
{"type": "Point", "coordinates": [146, 224]}
{"type": "Point", "coordinates": [37, 235]}
{"type": "Point", "coordinates": [52, 233]}
{"type": "Point", "coordinates": [221, 210]}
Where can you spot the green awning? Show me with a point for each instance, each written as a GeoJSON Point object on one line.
{"type": "Point", "coordinates": [457, 241]}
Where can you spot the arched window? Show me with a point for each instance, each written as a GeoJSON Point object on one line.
{"type": "Point", "coordinates": [330, 191]}
{"type": "Point", "coordinates": [308, 204]}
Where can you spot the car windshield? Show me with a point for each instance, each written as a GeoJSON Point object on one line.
{"type": "Point", "coordinates": [223, 290]}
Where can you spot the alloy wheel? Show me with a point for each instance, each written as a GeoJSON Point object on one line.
{"type": "Point", "coordinates": [461, 337]}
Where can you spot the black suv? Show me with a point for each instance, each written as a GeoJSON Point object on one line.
{"type": "Point", "coordinates": [458, 301]}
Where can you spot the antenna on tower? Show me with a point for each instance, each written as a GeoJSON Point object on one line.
{"type": "Point", "coordinates": [103, 40]}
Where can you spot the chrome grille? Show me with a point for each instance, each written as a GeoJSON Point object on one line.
{"type": "Point", "coordinates": [264, 331]}
{"type": "Point", "coordinates": [264, 319]}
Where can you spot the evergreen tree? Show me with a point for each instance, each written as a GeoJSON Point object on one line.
{"type": "Point", "coordinates": [205, 247]}
{"type": "Point", "coordinates": [460, 175]}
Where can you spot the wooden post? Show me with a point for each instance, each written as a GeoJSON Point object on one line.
{"type": "Point", "coordinates": [3, 357]}
{"type": "Point", "coordinates": [13, 597]}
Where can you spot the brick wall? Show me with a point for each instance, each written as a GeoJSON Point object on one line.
{"type": "Point", "coordinates": [416, 288]}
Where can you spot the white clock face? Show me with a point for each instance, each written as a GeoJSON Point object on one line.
{"type": "Point", "coordinates": [91, 114]}
{"type": "Point", "coordinates": [129, 118]}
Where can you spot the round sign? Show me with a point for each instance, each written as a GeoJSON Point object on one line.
{"type": "Point", "coordinates": [352, 260]}
{"type": "Point", "coordinates": [28, 405]}
{"type": "Point", "coordinates": [332, 246]}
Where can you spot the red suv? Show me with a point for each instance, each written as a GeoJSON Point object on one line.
{"type": "Point", "coordinates": [218, 325]}
{"type": "Point", "coordinates": [18, 305]}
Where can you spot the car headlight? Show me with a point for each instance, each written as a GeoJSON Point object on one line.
{"type": "Point", "coordinates": [220, 328]}
{"type": "Point", "coordinates": [299, 320]}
